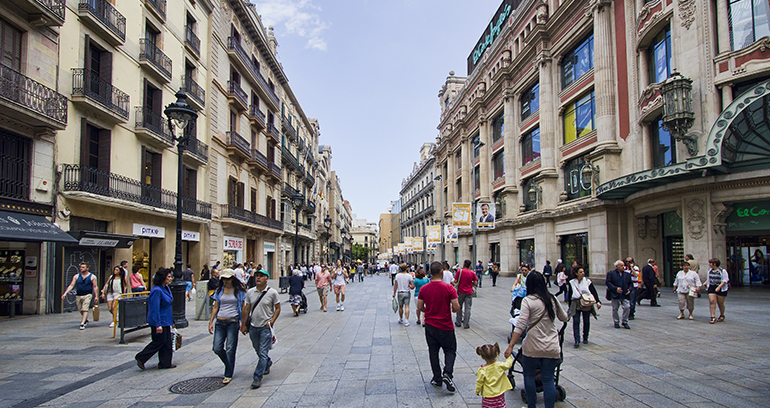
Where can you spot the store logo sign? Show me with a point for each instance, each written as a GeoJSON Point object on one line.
{"type": "Point", "coordinates": [233, 244]}
{"type": "Point", "coordinates": [191, 236]}
{"type": "Point", "coordinates": [494, 31]}
{"type": "Point", "coordinates": [752, 212]}
{"type": "Point", "coordinates": [149, 231]}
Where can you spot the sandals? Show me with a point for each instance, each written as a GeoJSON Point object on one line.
{"type": "Point", "coordinates": [680, 317]}
{"type": "Point", "coordinates": [721, 318]}
{"type": "Point", "coordinates": [713, 320]}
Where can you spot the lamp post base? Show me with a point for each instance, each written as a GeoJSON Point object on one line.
{"type": "Point", "coordinates": [179, 305]}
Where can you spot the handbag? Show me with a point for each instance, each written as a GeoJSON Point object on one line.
{"type": "Point", "coordinates": [587, 300]}
{"type": "Point", "coordinates": [692, 293]}
{"type": "Point", "coordinates": [475, 293]}
{"type": "Point", "coordinates": [176, 342]}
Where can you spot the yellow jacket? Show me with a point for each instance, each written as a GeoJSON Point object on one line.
{"type": "Point", "coordinates": [492, 380]}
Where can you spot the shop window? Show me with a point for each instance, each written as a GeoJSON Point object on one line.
{"type": "Point", "coordinates": [663, 145]}
{"type": "Point", "coordinates": [527, 252]}
{"type": "Point", "coordinates": [16, 165]}
{"type": "Point", "coordinates": [528, 185]}
{"type": "Point", "coordinates": [574, 184]}
{"type": "Point", "coordinates": [10, 45]}
{"type": "Point", "coordinates": [498, 128]}
{"type": "Point", "coordinates": [579, 118]}
{"type": "Point", "coordinates": [577, 62]}
{"type": "Point", "coordinates": [574, 247]}
{"type": "Point", "coordinates": [498, 164]}
{"type": "Point", "coordinates": [475, 143]}
{"type": "Point", "coordinates": [660, 57]}
{"type": "Point", "coordinates": [749, 21]}
{"type": "Point", "coordinates": [530, 146]}
{"type": "Point", "coordinates": [530, 101]}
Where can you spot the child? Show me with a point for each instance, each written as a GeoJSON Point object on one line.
{"type": "Point", "coordinates": [491, 381]}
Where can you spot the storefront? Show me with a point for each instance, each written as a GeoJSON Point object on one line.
{"type": "Point", "coordinates": [748, 237]}
{"type": "Point", "coordinates": [527, 251]}
{"type": "Point", "coordinates": [269, 257]}
{"type": "Point", "coordinates": [232, 251]}
{"type": "Point", "coordinates": [574, 247]}
{"type": "Point", "coordinates": [150, 238]}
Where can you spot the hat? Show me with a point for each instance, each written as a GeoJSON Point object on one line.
{"type": "Point", "coordinates": [264, 272]}
{"type": "Point", "coordinates": [226, 273]}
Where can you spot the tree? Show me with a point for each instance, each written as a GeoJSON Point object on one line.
{"type": "Point", "coordinates": [360, 252]}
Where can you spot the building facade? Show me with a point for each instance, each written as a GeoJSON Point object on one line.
{"type": "Point", "coordinates": [418, 209]}
{"type": "Point", "coordinates": [561, 116]}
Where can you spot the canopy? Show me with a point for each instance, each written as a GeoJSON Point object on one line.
{"type": "Point", "coordinates": [30, 228]}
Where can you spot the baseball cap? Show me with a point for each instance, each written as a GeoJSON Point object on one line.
{"type": "Point", "coordinates": [264, 272]}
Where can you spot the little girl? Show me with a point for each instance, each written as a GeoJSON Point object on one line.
{"type": "Point", "coordinates": [491, 380]}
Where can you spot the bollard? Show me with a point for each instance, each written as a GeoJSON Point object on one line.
{"type": "Point", "coordinates": [202, 304]}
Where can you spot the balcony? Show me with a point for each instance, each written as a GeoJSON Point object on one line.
{"type": "Point", "coordinates": [300, 172]}
{"type": "Point", "coordinates": [273, 132]}
{"type": "Point", "coordinates": [289, 130]}
{"type": "Point", "coordinates": [258, 160]}
{"type": "Point", "coordinates": [289, 190]}
{"type": "Point", "coordinates": [153, 127]}
{"type": "Point", "coordinates": [309, 180]}
{"type": "Point", "coordinates": [238, 146]}
{"type": "Point", "coordinates": [196, 95]}
{"type": "Point", "coordinates": [289, 158]}
{"type": "Point", "coordinates": [90, 180]}
{"type": "Point", "coordinates": [256, 116]}
{"type": "Point", "coordinates": [275, 172]}
{"type": "Point", "coordinates": [236, 213]}
{"type": "Point", "coordinates": [309, 207]}
{"type": "Point", "coordinates": [157, 7]}
{"type": "Point", "coordinates": [42, 12]}
{"type": "Point", "coordinates": [91, 92]}
{"type": "Point", "coordinates": [105, 19]}
{"type": "Point", "coordinates": [237, 96]}
{"type": "Point", "coordinates": [152, 58]}
{"type": "Point", "coordinates": [192, 42]}
{"type": "Point", "coordinates": [30, 101]}
{"type": "Point", "coordinates": [197, 151]}
{"type": "Point", "coordinates": [243, 61]}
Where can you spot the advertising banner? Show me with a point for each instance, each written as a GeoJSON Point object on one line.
{"type": "Point", "coordinates": [486, 214]}
{"type": "Point", "coordinates": [450, 234]}
{"type": "Point", "coordinates": [434, 234]}
{"type": "Point", "coordinates": [408, 245]}
{"type": "Point", "coordinates": [461, 215]}
{"type": "Point", "coordinates": [417, 244]}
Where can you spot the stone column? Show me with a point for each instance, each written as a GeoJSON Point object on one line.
{"type": "Point", "coordinates": [604, 80]}
{"type": "Point", "coordinates": [510, 138]}
{"type": "Point", "coordinates": [485, 179]}
{"type": "Point", "coordinates": [723, 35]}
{"type": "Point", "coordinates": [467, 163]}
{"type": "Point", "coordinates": [727, 95]}
{"type": "Point", "coordinates": [450, 177]}
{"type": "Point", "coordinates": [549, 139]}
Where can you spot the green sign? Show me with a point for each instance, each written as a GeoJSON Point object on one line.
{"type": "Point", "coordinates": [749, 216]}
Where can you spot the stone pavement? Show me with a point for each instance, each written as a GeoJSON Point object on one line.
{"type": "Point", "coordinates": [362, 357]}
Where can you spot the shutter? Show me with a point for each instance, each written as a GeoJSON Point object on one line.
{"type": "Point", "coordinates": [272, 209]}
{"type": "Point", "coordinates": [240, 195]}
{"type": "Point", "coordinates": [105, 149]}
{"type": "Point", "coordinates": [87, 57]}
{"type": "Point", "coordinates": [144, 165]}
{"type": "Point", "coordinates": [84, 141]}
{"type": "Point", "coordinates": [254, 200]}
{"type": "Point", "coordinates": [156, 169]}
{"type": "Point", "coordinates": [231, 191]}
{"type": "Point", "coordinates": [105, 71]}
{"type": "Point", "coordinates": [157, 102]}
{"type": "Point", "coordinates": [10, 46]}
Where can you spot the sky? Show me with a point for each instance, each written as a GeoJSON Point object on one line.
{"type": "Point", "coordinates": [370, 72]}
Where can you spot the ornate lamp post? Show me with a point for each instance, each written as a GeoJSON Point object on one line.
{"type": "Point", "coordinates": [478, 145]}
{"type": "Point", "coordinates": [678, 115]}
{"type": "Point", "coordinates": [343, 236]}
{"type": "Point", "coordinates": [297, 199]}
{"type": "Point", "coordinates": [535, 194]}
{"type": "Point", "coordinates": [327, 225]}
{"type": "Point", "coordinates": [179, 115]}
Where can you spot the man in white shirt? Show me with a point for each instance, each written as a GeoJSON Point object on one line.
{"type": "Point", "coordinates": [403, 290]}
{"type": "Point", "coordinates": [447, 273]}
{"type": "Point", "coordinates": [393, 271]}
{"type": "Point", "coordinates": [240, 274]}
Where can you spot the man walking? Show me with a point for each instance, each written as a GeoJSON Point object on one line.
{"type": "Point", "coordinates": [619, 286]}
{"type": "Point", "coordinates": [636, 279]}
{"type": "Point", "coordinates": [393, 271]}
{"type": "Point", "coordinates": [479, 272]}
{"type": "Point", "coordinates": [188, 275]}
{"type": "Point", "coordinates": [438, 300]}
{"type": "Point", "coordinates": [86, 291]}
{"type": "Point", "coordinates": [360, 272]}
{"type": "Point", "coordinates": [263, 306]}
{"type": "Point", "coordinates": [547, 272]}
{"type": "Point", "coordinates": [401, 288]}
{"type": "Point", "coordinates": [465, 280]}
{"type": "Point", "coordinates": [322, 281]}
{"type": "Point", "coordinates": [650, 284]}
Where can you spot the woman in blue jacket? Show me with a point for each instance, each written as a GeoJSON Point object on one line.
{"type": "Point", "coordinates": [160, 320]}
{"type": "Point", "coordinates": [228, 302]}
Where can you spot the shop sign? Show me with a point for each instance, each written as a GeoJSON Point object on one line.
{"type": "Point", "coordinates": [269, 246]}
{"type": "Point", "coordinates": [749, 216]}
{"type": "Point", "coordinates": [98, 242]}
{"type": "Point", "coordinates": [233, 244]}
{"type": "Point", "coordinates": [491, 32]}
{"type": "Point", "coordinates": [191, 236]}
{"type": "Point", "coordinates": [149, 231]}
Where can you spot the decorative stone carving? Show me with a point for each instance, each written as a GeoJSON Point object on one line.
{"type": "Point", "coordinates": [696, 220]}
{"type": "Point", "coordinates": [687, 12]}
{"type": "Point", "coordinates": [721, 211]}
{"type": "Point", "coordinates": [542, 13]}
{"type": "Point", "coordinates": [563, 196]}
{"type": "Point", "coordinates": [641, 227]}
{"type": "Point", "coordinates": [652, 227]}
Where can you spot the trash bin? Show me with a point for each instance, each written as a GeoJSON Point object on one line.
{"type": "Point", "coordinates": [283, 283]}
{"type": "Point", "coordinates": [132, 311]}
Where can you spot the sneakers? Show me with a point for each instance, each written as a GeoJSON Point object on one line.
{"type": "Point", "coordinates": [626, 326]}
{"type": "Point", "coordinates": [406, 323]}
{"type": "Point", "coordinates": [400, 321]}
{"type": "Point", "coordinates": [267, 367]}
{"type": "Point", "coordinates": [450, 385]}
{"type": "Point", "coordinates": [112, 324]}
{"type": "Point", "coordinates": [226, 380]}
{"type": "Point", "coordinates": [435, 383]}
{"type": "Point", "coordinates": [617, 325]}
{"type": "Point", "coordinates": [82, 327]}
{"type": "Point", "coordinates": [256, 383]}
{"type": "Point", "coordinates": [342, 307]}
{"type": "Point", "coordinates": [338, 307]}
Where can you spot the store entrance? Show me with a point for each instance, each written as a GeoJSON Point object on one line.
{"type": "Point", "coordinates": [673, 255]}
{"type": "Point", "coordinates": [747, 260]}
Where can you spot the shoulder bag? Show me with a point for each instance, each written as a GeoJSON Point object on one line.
{"type": "Point", "coordinates": [587, 300]}
{"type": "Point", "coordinates": [248, 321]}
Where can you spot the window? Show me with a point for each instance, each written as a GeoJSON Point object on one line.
{"type": "Point", "coordinates": [15, 153]}
{"type": "Point", "coordinates": [529, 184]}
{"type": "Point", "coordinates": [10, 46]}
{"type": "Point", "coordinates": [152, 172]}
{"type": "Point", "coordinates": [498, 164]}
{"type": "Point", "coordinates": [530, 146]}
{"type": "Point", "coordinates": [476, 181]}
{"type": "Point", "coordinates": [95, 147]}
{"type": "Point", "coordinates": [498, 128]}
{"type": "Point", "coordinates": [579, 118]}
{"type": "Point", "coordinates": [459, 160]}
{"type": "Point", "coordinates": [573, 179]}
{"type": "Point", "coordinates": [235, 190]}
{"type": "Point", "coordinates": [577, 62]}
{"type": "Point", "coordinates": [660, 57]}
{"type": "Point", "coordinates": [663, 145]}
{"type": "Point", "coordinates": [254, 200]}
{"type": "Point", "coordinates": [459, 189]}
{"type": "Point", "coordinates": [749, 21]}
{"type": "Point", "coordinates": [530, 101]}
{"type": "Point", "coordinates": [190, 185]}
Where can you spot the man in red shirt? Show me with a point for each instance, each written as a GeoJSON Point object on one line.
{"type": "Point", "coordinates": [438, 300]}
{"type": "Point", "coordinates": [465, 280]}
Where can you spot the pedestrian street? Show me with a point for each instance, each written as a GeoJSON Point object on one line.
{"type": "Point", "coordinates": [363, 357]}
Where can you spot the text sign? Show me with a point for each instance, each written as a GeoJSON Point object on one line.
{"type": "Point", "coordinates": [233, 244]}
{"type": "Point", "coordinates": [492, 32]}
{"type": "Point", "coordinates": [191, 236]}
{"type": "Point", "coordinates": [149, 231]}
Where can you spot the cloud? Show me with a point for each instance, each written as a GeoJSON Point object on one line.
{"type": "Point", "coordinates": [299, 17]}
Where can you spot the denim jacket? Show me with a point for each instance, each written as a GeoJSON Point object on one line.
{"type": "Point", "coordinates": [240, 297]}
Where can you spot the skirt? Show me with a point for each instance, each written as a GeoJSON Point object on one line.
{"type": "Point", "coordinates": [493, 402]}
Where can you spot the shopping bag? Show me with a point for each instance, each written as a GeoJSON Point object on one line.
{"type": "Point", "coordinates": [273, 340]}
{"type": "Point", "coordinates": [176, 339]}
{"type": "Point", "coordinates": [395, 305]}
{"type": "Point", "coordinates": [96, 312]}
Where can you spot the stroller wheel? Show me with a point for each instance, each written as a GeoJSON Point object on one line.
{"type": "Point", "coordinates": [512, 380]}
{"type": "Point", "coordinates": [523, 396]}
{"type": "Point", "coordinates": [561, 393]}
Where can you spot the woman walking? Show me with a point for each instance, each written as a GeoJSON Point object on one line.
{"type": "Point", "coordinates": [419, 281]}
{"type": "Point", "coordinates": [494, 271]}
{"type": "Point", "coordinates": [561, 280]}
{"type": "Point", "coordinates": [137, 280]}
{"type": "Point", "coordinates": [296, 284]}
{"type": "Point", "coordinates": [717, 289]}
{"type": "Point", "coordinates": [340, 277]}
{"type": "Point", "coordinates": [580, 288]}
{"type": "Point", "coordinates": [687, 286]}
{"type": "Point", "coordinates": [228, 302]}
{"type": "Point", "coordinates": [116, 285]}
{"type": "Point", "coordinates": [160, 320]}
{"type": "Point", "coordinates": [541, 347]}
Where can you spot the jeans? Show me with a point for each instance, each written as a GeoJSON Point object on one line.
{"type": "Point", "coordinates": [547, 280]}
{"type": "Point", "coordinates": [617, 303]}
{"type": "Point", "coordinates": [466, 301]}
{"type": "Point", "coordinates": [478, 276]}
{"type": "Point", "coordinates": [441, 339]}
{"type": "Point", "coordinates": [547, 370]}
{"type": "Point", "coordinates": [576, 324]}
{"type": "Point", "coordinates": [632, 300]}
{"type": "Point", "coordinates": [161, 344]}
{"type": "Point", "coordinates": [261, 340]}
{"type": "Point", "coordinates": [494, 278]}
{"type": "Point", "coordinates": [563, 289]}
{"type": "Point", "coordinates": [226, 331]}
{"type": "Point", "coordinates": [361, 277]}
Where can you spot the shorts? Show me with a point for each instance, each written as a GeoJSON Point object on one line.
{"type": "Point", "coordinates": [713, 289]}
{"type": "Point", "coordinates": [189, 286]}
{"type": "Point", "coordinates": [324, 291]}
{"type": "Point", "coordinates": [339, 289]}
{"type": "Point", "coordinates": [83, 303]}
{"type": "Point", "coordinates": [295, 300]}
{"type": "Point", "coordinates": [403, 298]}
{"type": "Point", "coordinates": [112, 296]}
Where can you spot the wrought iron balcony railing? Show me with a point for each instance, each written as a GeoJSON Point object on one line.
{"type": "Point", "coordinates": [192, 40]}
{"type": "Point", "coordinates": [241, 214]}
{"type": "Point", "coordinates": [54, 6]}
{"type": "Point", "coordinates": [193, 90]}
{"type": "Point", "coordinates": [107, 14]}
{"type": "Point", "coordinates": [254, 112]}
{"type": "Point", "coordinates": [159, 6]}
{"type": "Point", "coordinates": [237, 141]}
{"type": "Point", "coordinates": [150, 52]}
{"type": "Point", "coordinates": [235, 45]}
{"type": "Point", "coordinates": [234, 88]}
{"type": "Point", "coordinates": [91, 180]}
{"type": "Point", "coordinates": [198, 148]}
{"type": "Point", "coordinates": [289, 157]}
{"type": "Point", "coordinates": [33, 95]}
{"type": "Point", "coordinates": [91, 85]}
{"type": "Point", "coordinates": [146, 118]}
{"type": "Point", "coordinates": [258, 157]}
{"type": "Point", "coordinates": [289, 190]}
{"type": "Point", "coordinates": [271, 130]}
{"type": "Point", "coordinates": [275, 170]}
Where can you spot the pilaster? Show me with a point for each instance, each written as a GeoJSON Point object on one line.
{"type": "Point", "coordinates": [604, 78]}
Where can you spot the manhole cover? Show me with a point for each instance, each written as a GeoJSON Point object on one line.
{"type": "Point", "coordinates": [197, 385]}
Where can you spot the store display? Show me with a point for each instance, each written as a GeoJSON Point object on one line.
{"type": "Point", "coordinates": [11, 278]}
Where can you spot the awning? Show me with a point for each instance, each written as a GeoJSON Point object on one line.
{"type": "Point", "coordinates": [30, 228]}
{"type": "Point", "coordinates": [103, 239]}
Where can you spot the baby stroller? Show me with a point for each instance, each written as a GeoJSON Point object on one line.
{"type": "Point", "coordinates": [515, 312]}
{"type": "Point", "coordinates": [561, 393]}
{"type": "Point", "coordinates": [302, 303]}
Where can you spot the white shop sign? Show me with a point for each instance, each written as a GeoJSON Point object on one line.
{"type": "Point", "coordinates": [269, 246]}
{"type": "Point", "coordinates": [191, 236]}
{"type": "Point", "coordinates": [233, 244]}
{"type": "Point", "coordinates": [149, 231]}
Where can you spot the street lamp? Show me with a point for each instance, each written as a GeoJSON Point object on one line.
{"type": "Point", "coordinates": [179, 115]}
{"type": "Point", "coordinates": [297, 199]}
{"type": "Point", "coordinates": [327, 225]}
{"type": "Point", "coordinates": [476, 146]}
{"type": "Point", "coordinates": [678, 115]}
{"type": "Point", "coordinates": [441, 214]}
{"type": "Point", "coordinates": [343, 236]}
